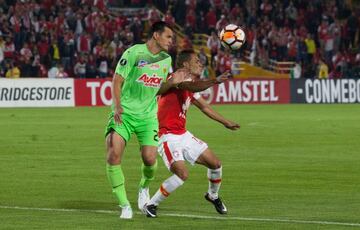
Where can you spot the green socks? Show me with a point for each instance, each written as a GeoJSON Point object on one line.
{"type": "Point", "coordinates": [148, 174]}
{"type": "Point", "coordinates": [117, 181]}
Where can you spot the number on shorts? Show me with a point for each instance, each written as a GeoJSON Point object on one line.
{"type": "Point", "coordinates": [156, 137]}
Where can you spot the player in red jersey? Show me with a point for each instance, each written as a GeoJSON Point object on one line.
{"type": "Point", "coordinates": [177, 145]}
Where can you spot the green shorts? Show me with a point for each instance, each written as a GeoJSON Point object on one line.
{"type": "Point", "coordinates": [146, 130]}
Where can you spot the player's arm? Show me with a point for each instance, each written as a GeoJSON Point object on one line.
{"type": "Point", "coordinates": [122, 71]}
{"type": "Point", "coordinates": [201, 85]}
{"type": "Point", "coordinates": [208, 111]}
{"type": "Point", "coordinates": [116, 86]}
{"type": "Point", "coordinates": [173, 81]}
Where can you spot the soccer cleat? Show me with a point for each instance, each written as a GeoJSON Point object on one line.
{"type": "Point", "coordinates": [219, 205]}
{"type": "Point", "coordinates": [150, 210]}
{"type": "Point", "coordinates": [126, 212]}
{"type": "Point", "coordinates": [144, 198]}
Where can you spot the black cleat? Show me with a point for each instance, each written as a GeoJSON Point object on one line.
{"type": "Point", "coordinates": [219, 205]}
{"type": "Point", "coordinates": [150, 210]}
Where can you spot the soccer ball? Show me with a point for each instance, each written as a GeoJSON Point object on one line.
{"type": "Point", "coordinates": [232, 37]}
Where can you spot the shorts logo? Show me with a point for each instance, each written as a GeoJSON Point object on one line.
{"type": "Point", "coordinates": [176, 154]}
{"type": "Point", "coordinates": [150, 81]}
{"type": "Point", "coordinates": [142, 63]}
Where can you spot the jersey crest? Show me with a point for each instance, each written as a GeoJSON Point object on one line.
{"type": "Point", "coordinates": [142, 63]}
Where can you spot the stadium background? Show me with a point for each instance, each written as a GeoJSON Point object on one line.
{"type": "Point", "coordinates": [289, 167]}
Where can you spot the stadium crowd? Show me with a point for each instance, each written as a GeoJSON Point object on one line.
{"type": "Point", "coordinates": [84, 39]}
{"type": "Point", "coordinates": [321, 36]}
{"type": "Point", "coordinates": [64, 38]}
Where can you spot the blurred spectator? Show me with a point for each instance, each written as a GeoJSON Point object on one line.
{"type": "Point", "coordinates": [191, 19]}
{"type": "Point", "coordinates": [221, 23]}
{"type": "Point", "coordinates": [103, 66]}
{"type": "Point", "coordinates": [266, 7]}
{"type": "Point", "coordinates": [282, 42]}
{"type": "Point", "coordinates": [187, 44]}
{"type": "Point", "coordinates": [91, 70]}
{"type": "Point", "coordinates": [291, 14]}
{"type": "Point", "coordinates": [43, 47]}
{"type": "Point", "coordinates": [153, 15]}
{"type": "Point", "coordinates": [2, 48]}
{"type": "Point", "coordinates": [203, 58]}
{"type": "Point", "coordinates": [67, 50]}
{"type": "Point", "coordinates": [61, 72]}
{"type": "Point", "coordinates": [26, 68]}
{"type": "Point", "coordinates": [225, 63]}
{"type": "Point", "coordinates": [12, 70]}
{"type": "Point", "coordinates": [9, 48]}
{"type": "Point", "coordinates": [25, 52]}
{"type": "Point", "coordinates": [295, 72]}
{"type": "Point", "coordinates": [80, 68]}
{"type": "Point", "coordinates": [211, 19]}
{"type": "Point", "coordinates": [236, 10]}
{"type": "Point", "coordinates": [355, 71]}
{"type": "Point", "coordinates": [301, 50]}
{"type": "Point", "coordinates": [353, 27]}
{"type": "Point", "coordinates": [53, 71]}
{"type": "Point", "coordinates": [213, 43]}
{"type": "Point", "coordinates": [201, 22]}
{"type": "Point", "coordinates": [188, 30]}
{"type": "Point", "coordinates": [168, 18]}
{"type": "Point", "coordinates": [335, 30]}
{"type": "Point", "coordinates": [323, 70]}
{"type": "Point", "coordinates": [54, 51]}
{"type": "Point", "coordinates": [292, 49]}
{"type": "Point", "coordinates": [310, 47]}
{"type": "Point", "coordinates": [84, 43]}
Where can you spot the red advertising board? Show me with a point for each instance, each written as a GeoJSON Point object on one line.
{"type": "Point", "coordinates": [92, 92]}
{"type": "Point", "coordinates": [247, 91]}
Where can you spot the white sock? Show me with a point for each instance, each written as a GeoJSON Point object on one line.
{"type": "Point", "coordinates": [167, 187]}
{"type": "Point", "coordinates": [214, 176]}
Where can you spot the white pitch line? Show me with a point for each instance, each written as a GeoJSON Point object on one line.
{"type": "Point", "coordinates": [189, 216]}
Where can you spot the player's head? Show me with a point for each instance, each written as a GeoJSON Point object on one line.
{"type": "Point", "coordinates": [189, 60]}
{"type": "Point", "coordinates": [162, 33]}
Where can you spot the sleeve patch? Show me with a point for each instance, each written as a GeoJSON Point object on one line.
{"type": "Point", "coordinates": [123, 62]}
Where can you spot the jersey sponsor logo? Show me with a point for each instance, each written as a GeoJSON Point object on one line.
{"type": "Point", "coordinates": [150, 81]}
{"type": "Point", "coordinates": [154, 66]}
{"type": "Point", "coordinates": [142, 63]}
{"type": "Point", "coordinates": [185, 108]}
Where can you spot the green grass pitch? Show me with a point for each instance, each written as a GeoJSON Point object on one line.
{"type": "Point", "coordinates": [288, 167]}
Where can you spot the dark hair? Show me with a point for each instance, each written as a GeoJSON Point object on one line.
{"type": "Point", "coordinates": [159, 27]}
{"type": "Point", "coordinates": [183, 56]}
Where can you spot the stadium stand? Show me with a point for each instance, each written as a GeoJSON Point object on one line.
{"type": "Point", "coordinates": [85, 38]}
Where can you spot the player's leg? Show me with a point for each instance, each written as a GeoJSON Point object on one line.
{"type": "Point", "coordinates": [146, 132]}
{"type": "Point", "coordinates": [116, 137]}
{"type": "Point", "coordinates": [170, 149]}
{"type": "Point", "coordinates": [167, 187]}
{"type": "Point", "coordinates": [148, 169]}
{"type": "Point", "coordinates": [115, 146]}
{"type": "Point", "coordinates": [214, 173]}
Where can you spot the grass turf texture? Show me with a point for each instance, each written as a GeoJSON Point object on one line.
{"type": "Point", "coordinates": [288, 162]}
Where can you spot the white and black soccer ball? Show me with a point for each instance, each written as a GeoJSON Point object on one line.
{"type": "Point", "coordinates": [232, 37]}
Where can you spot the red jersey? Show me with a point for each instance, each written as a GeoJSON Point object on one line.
{"type": "Point", "coordinates": [172, 109]}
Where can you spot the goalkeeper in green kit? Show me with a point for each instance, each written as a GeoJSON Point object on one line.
{"type": "Point", "coordinates": [139, 77]}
